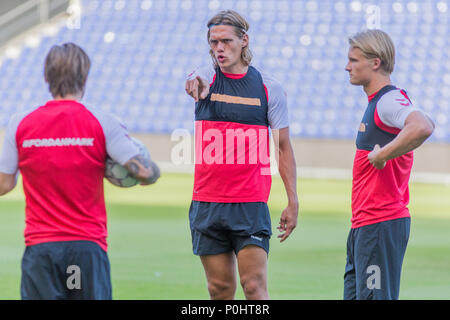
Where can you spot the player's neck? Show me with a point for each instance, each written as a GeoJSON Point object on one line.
{"type": "Point", "coordinates": [376, 84]}
{"type": "Point", "coordinates": [70, 96]}
{"type": "Point", "coordinates": [235, 69]}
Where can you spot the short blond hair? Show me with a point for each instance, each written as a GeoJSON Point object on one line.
{"type": "Point", "coordinates": [241, 26]}
{"type": "Point", "coordinates": [375, 43]}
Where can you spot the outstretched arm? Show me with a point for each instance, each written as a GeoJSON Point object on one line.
{"type": "Point", "coordinates": [418, 127]}
{"type": "Point", "coordinates": [147, 172]}
{"type": "Point", "coordinates": [288, 172]}
{"type": "Point", "coordinates": [197, 88]}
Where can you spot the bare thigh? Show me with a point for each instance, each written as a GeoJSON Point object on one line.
{"type": "Point", "coordinates": [252, 265]}
{"type": "Point", "coordinates": [220, 270]}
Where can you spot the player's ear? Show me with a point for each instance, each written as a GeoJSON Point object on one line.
{"type": "Point", "coordinates": [244, 40]}
{"type": "Point", "coordinates": [376, 64]}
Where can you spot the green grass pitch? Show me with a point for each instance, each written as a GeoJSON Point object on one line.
{"type": "Point", "coordinates": [151, 256]}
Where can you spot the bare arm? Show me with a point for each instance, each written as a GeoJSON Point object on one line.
{"type": "Point", "coordinates": [417, 129]}
{"type": "Point", "coordinates": [288, 172]}
{"type": "Point", "coordinates": [147, 172]}
{"type": "Point", "coordinates": [7, 182]}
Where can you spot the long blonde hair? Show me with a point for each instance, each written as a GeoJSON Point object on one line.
{"type": "Point", "coordinates": [241, 26]}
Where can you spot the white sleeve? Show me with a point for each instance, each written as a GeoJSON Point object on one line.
{"type": "Point", "coordinates": [278, 111]}
{"type": "Point", "coordinates": [119, 145]}
{"type": "Point", "coordinates": [9, 159]}
{"type": "Point", "coordinates": [393, 108]}
{"type": "Point", "coordinates": [205, 72]}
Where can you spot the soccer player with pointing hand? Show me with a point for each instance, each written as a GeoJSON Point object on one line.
{"type": "Point", "coordinates": [229, 218]}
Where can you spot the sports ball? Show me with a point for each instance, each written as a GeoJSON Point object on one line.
{"type": "Point", "coordinates": [118, 175]}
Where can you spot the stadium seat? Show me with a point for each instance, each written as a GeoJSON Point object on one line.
{"type": "Point", "coordinates": [141, 54]}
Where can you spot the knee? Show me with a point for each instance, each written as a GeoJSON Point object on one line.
{"type": "Point", "coordinates": [254, 287]}
{"type": "Point", "coordinates": [221, 290]}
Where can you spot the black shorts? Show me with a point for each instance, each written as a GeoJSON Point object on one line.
{"type": "Point", "coordinates": [374, 260]}
{"type": "Point", "coordinates": [223, 227]}
{"type": "Point", "coordinates": [68, 270]}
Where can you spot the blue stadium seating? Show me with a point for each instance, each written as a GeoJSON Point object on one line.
{"type": "Point", "coordinates": [142, 50]}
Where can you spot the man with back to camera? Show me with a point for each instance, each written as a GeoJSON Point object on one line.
{"type": "Point", "coordinates": [390, 130]}
{"type": "Point", "coordinates": [229, 217]}
{"type": "Point", "coordinates": [60, 149]}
